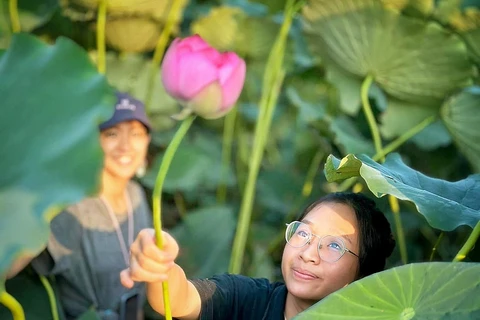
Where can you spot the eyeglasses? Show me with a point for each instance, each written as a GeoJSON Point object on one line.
{"type": "Point", "coordinates": [330, 248]}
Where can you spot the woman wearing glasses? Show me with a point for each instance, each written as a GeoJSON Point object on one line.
{"type": "Point", "coordinates": [338, 239]}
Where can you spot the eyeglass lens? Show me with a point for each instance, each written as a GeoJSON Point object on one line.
{"type": "Point", "coordinates": [330, 248]}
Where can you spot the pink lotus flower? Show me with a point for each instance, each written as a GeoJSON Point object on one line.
{"type": "Point", "coordinates": [202, 79]}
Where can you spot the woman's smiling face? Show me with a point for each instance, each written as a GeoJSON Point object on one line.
{"type": "Point", "coordinates": [307, 276]}
{"type": "Point", "coordinates": [125, 147]}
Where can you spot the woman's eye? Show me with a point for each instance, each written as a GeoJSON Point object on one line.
{"type": "Point", "coordinates": [335, 246]}
{"type": "Point", "coordinates": [138, 133]}
{"type": "Point", "coordinates": [111, 134]}
{"type": "Point", "coordinates": [302, 234]}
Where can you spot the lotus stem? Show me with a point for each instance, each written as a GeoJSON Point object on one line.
{"type": "Point", "coordinates": [462, 254]}
{"type": "Point", "coordinates": [227, 142]}
{"type": "Point", "coordinates": [173, 12]}
{"type": "Point", "coordinates": [392, 146]}
{"type": "Point", "coordinates": [12, 304]}
{"type": "Point", "coordinates": [437, 243]}
{"type": "Point", "coordinates": [14, 17]}
{"type": "Point", "coordinates": [101, 47]}
{"type": "Point", "coordinates": [311, 173]}
{"type": "Point", "coordinates": [51, 297]}
{"type": "Point", "coordinates": [404, 138]}
{"type": "Point", "coordinates": [157, 198]}
{"type": "Point", "coordinates": [399, 227]}
{"type": "Point", "coordinates": [367, 109]}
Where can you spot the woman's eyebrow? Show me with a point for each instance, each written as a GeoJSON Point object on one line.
{"type": "Point", "coordinates": [341, 236]}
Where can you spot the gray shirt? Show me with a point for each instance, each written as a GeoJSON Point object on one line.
{"type": "Point", "coordinates": [86, 253]}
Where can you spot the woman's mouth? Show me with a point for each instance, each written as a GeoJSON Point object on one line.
{"type": "Point", "coordinates": [301, 274]}
{"type": "Point", "coordinates": [125, 160]}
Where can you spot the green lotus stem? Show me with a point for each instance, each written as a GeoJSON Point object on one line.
{"type": "Point", "coordinates": [437, 243]}
{"type": "Point", "coordinates": [12, 304]}
{"type": "Point", "coordinates": [462, 254]}
{"type": "Point", "coordinates": [14, 17]}
{"type": "Point", "coordinates": [311, 173]}
{"type": "Point", "coordinates": [51, 297]}
{"type": "Point", "coordinates": [272, 83]}
{"type": "Point", "coordinates": [227, 142]}
{"type": "Point", "coordinates": [392, 146]}
{"type": "Point", "coordinates": [367, 109]}
{"type": "Point", "coordinates": [398, 225]}
{"type": "Point", "coordinates": [101, 47]}
{"type": "Point", "coordinates": [173, 12]}
{"type": "Point", "coordinates": [249, 194]}
{"type": "Point", "coordinates": [157, 198]}
{"type": "Point", "coordinates": [404, 138]}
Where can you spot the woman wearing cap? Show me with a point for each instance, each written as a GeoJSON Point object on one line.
{"type": "Point", "coordinates": [89, 242]}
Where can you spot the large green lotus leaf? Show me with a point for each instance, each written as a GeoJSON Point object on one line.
{"type": "Point", "coordinates": [435, 290]}
{"type": "Point", "coordinates": [461, 114]}
{"type": "Point", "coordinates": [52, 102]}
{"type": "Point", "coordinates": [446, 205]}
{"type": "Point", "coordinates": [409, 58]}
{"type": "Point", "coordinates": [205, 238]}
{"type": "Point", "coordinates": [349, 138]}
{"type": "Point", "coordinates": [473, 41]}
{"type": "Point", "coordinates": [348, 88]}
{"type": "Point", "coordinates": [131, 73]}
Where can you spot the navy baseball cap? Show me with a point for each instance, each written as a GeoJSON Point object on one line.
{"type": "Point", "coordinates": [127, 108]}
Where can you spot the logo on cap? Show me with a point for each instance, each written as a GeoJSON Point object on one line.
{"type": "Point", "coordinates": [125, 104]}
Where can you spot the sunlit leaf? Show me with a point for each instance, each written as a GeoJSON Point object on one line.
{"type": "Point", "coordinates": [132, 34]}
{"type": "Point", "coordinates": [231, 29]}
{"type": "Point", "coordinates": [53, 100]}
{"type": "Point", "coordinates": [461, 114]}
{"type": "Point", "coordinates": [205, 238]}
{"type": "Point", "coordinates": [409, 58]}
{"type": "Point", "coordinates": [437, 290]}
{"type": "Point", "coordinates": [220, 27]}
{"type": "Point", "coordinates": [446, 205]}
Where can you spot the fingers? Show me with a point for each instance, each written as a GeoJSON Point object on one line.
{"type": "Point", "coordinates": [125, 279]}
{"type": "Point", "coordinates": [148, 263]}
{"type": "Point", "coordinates": [138, 273]}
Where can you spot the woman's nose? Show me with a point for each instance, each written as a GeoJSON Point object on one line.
{"type": "Point", "coordinates": [309, 252]}
{"type": "Point", "coordinates": [125, 142]}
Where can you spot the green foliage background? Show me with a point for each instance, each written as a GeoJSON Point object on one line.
{"type": "Point", "coordinates": [423, 58]}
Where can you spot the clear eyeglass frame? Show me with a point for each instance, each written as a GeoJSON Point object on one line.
{"type": "Point", "coordinates": [332, 252]}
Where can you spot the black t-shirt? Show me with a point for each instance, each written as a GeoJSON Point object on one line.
{"type": "Point", "coordinates": [236, 297]}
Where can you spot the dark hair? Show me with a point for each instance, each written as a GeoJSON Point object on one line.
{"type": "Point", "coordinates": [376, 239]}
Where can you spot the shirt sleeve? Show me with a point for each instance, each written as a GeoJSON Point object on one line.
{"type": "Point", "coordinates": [64, 241]}
{"type": "Point", "coordinates": [232, 297]}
